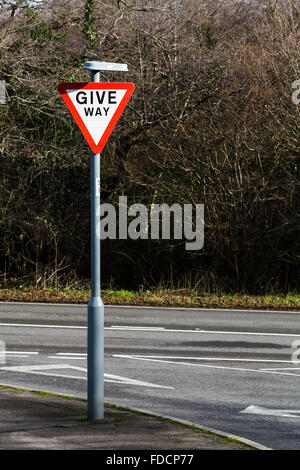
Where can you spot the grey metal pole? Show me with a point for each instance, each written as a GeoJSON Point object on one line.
{"type": "Point", "coordinates": [95, 334]}
{"type": "Point", "coordinates": [95, 305]}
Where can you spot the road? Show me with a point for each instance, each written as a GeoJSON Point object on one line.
{"type": "Point", "coordinates": [228, 370]}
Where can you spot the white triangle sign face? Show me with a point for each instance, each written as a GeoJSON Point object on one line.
{"type": "Point", "coordinates": [96, 108]}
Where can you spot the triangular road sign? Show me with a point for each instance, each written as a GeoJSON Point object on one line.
{"type": "Point", "coordinates": [96, 108]}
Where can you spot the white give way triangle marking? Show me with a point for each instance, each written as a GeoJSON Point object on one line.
{"type": "Point", "coordinates": [259, 410]}
{"type": "Point", "coordinates": [42, 369]}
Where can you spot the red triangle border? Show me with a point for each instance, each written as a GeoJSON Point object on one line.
{"type": "Point", "coordinates": [63, 87]}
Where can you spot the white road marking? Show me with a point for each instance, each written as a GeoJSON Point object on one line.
{"type": "Point", "coordinates": [135, 382]}
{"type": "Point", "coordinates": [30, 325]}
{"type": "Point", "coordinates": [19, 355]}
{"type": "Point", "coordinates": [142, 328]}
{"type": "Point", "coordinates": [242, 333]}
{"type": "Point", "coordinates": [193, 309]}
{"type": "Point", "coordinates": [22, 352]}
{"type": "Point", "coordinates": [284, 368]}
{"type": "Point", "coordinates": [158, 330]}
{"type": "Point", "coordinates": [208, 366]}
{"type": "Point", "coordinates": [229, 359]}
{"type": "Point", "coordinates": [197, 330]}
{"type": "Point", "coordinates": [68, 356]}
{"type": "Point", "coordinates": [38, 369]}
{"type": "Point", "coordinates": [2, 352]}
{"type": "Point", "coordinates": [259, 410]}
{"type": "Point", "coordinates": [71, 354]}
{"type": "Point", "coordinates": [72, 358]}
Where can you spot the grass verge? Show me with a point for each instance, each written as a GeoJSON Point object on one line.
{"type": "Point", "coordinates": [155, 298]}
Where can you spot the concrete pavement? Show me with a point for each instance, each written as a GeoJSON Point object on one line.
{"type": "Point", "coordinates": [40, 421]}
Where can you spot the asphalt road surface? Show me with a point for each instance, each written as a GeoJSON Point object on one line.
{"type": "Point", "coordinates": [235, 371]}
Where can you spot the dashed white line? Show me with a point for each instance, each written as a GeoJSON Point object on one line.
{"type": "Point", "coordinates": [71, 354]}
{"type": "Point", "coordinates": [72, 358]}
{"type": "Point", "coordinates": [20, 355]}
{"type": "Point", "coordinates": [22, 352]}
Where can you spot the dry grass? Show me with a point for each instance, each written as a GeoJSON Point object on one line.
{"type": "Point", "coordinates": [159, 298]}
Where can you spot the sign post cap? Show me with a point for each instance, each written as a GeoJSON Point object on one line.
{"type": "Point", "coordinates": [98, 66]}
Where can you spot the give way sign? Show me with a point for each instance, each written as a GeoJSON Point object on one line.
{"type": "Point", "coordinates": [96, 108]}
